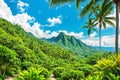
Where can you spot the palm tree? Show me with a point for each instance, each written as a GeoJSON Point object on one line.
{"type": "Point", "coordinates": [56, 2]}
{"type": "Point", "coordinates": [100, 12]}
{"type": "Point", "coordinates": [117, 3]}
{"type": "Point", "coordinates": [90, 25]}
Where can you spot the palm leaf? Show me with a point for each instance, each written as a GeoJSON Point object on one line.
{"type": "Point", "coordinates": [85, 27]}
{"type": "Point", "coordinates": [86, 9]}
{"type": "Point", "coordinates": [109, 22]}
{"type": "Point", "coordinates": [94, 29]}
{"type": "Point", "coordinates": [77, 3]}
{"type": "Point", "coordinates": [110, 18]}
{"type": "Point", "coordinates": [89, 31]}
{"type": "Point", "coordinates": [104, 24]}
{"type": "Point", "coordinates": [57, 2]}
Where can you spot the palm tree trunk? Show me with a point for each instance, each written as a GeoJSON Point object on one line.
{"type": "Point", "coordinates": [100, 42]}
{"type": "Point", "coordinates": [117, 29]}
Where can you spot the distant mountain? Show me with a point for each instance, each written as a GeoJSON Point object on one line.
{"type": "Point", "coordinates": [72, 44]}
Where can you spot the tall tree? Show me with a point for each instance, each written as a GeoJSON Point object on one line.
{"type": "Point", "coordinates": [117, 3]}
{"type": "Point", "coordinates": [100, 14]}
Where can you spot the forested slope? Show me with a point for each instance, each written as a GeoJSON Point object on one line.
{"type": "Point", "coordinates": [28, 58]}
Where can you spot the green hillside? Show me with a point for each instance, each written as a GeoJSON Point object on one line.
{"type": "Point", "coordinates": [25, 57]}
{"type": "Point", "coordinates": [29, 50]}
{"type": "Point", "coordinates": [72, 44]}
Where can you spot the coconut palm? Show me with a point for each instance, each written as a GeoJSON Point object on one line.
{"type": "Point", "coordinates": [100, 12]}
{"type": "Point", "coordinates": [102, 17]}
{"type": "Point", "coordinates": [90, 25]}
{"type": "Point", "coordinates": [56, 2]}
{"type": "Point", "coordinates": [117, 3]}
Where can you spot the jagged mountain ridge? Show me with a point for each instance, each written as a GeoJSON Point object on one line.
{"type": "Point", "coordinates": [71, 43]}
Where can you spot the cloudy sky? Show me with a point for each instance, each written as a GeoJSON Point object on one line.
{"type": "Point", "coordinates": [37, 17]}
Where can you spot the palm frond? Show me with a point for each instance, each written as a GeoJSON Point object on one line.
{"type": "Point", "coordinates": [110, 18]}
{"type": "Point", "coordinates": [107, 9]}
{"type": "Point", "coordinates": [57, 2]}
{"type": "Point", "coordinates": [89, 31]}
{"type": "Point", "coordinates": [85, 27]}
{"type": "Point", "coordinates": [95, 23]}
{"type": "Point", "coordinates": [94, 29]}
{"type": "Point", "coordinates": [104, 24]}
{"type": "Point", "coordinates": [86, 9]}
{"type": "Point", "coordinates": [77, 3]}
{"type": "Point", "coordinates": [109, 22]}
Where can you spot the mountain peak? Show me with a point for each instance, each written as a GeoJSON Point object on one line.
{"type": "Point", "coordinates": [71, 43]}
{"type": "Point", "coordinates": [62, 34]}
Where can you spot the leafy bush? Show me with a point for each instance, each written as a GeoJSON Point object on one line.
{"type": "Point", "coordinates": [95, 77]}
{"type": "Point", "coordinates": [113, 77]}
{"type": "Point", "coordinates": [108, 66]}
{"type": "Point", "coordinates": [87, 69]}
{"type": "Point", "coordinates": [8, 61]}
{"type": "Point", "coordinates": [26, 64]}
{"type": "Point", "coordinates": [72, 75]}
{"type": "Point", "coordinates": [58, 71]}
{"type": "Point", "coordinates": [31, 74]}
{"type": "Point", "coordinates": [45, 72]}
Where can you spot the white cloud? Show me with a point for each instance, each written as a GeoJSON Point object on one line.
{"type": "Point", "coordinates": [53, 21]}
{"type": "Point", "coordinates": [24, 20]}
{"type": "Point", "coordinates": [106, 41]}
{"type": "Point", "coordinates": [5, 10]}
{"type": "Point", "coordinates": [76, 35]}
{"type": "Point", "coordinates": [22, 6]}
{"type": "Point", "coordinates": [93, 35]}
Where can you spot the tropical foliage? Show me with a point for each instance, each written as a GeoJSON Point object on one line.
{"type": "Point", "coordinates": [26, 57]}
{"type": "Point", "coordinates": [32, 74]}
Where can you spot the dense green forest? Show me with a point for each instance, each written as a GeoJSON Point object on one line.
{"type": "Point", "coordinates": [26, 57]}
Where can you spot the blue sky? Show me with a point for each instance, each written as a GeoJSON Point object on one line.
{"type": "Point", "coordinates": [37, 17]}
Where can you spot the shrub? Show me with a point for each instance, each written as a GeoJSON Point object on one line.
{"type": "Point", "coordinates": [45, 72]}
{"type": "Point", "coordinates": [87, 69]}
{"type": "Point", "coordinates": [8, 61]}
{"type": "Point", "coordinates": [58, 71]}
{"type": "Point", "coordinates": [33, 74]}
{"type": "Point", "coordinates": [72, 74]}
{"type": "Point", "coordinates": [107, 66]}
{"type": "Point", "coordinates": [95, 77]}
